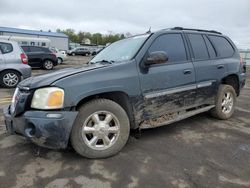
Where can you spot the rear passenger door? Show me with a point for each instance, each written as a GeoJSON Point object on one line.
{"type": "Point", "coordinates": [168, 87]}
{"type": "Point", "coordinates": [35, 56]}
{"type": "Point", "coordinates": [208, 67]}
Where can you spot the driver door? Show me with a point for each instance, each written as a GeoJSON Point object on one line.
{"type": "Point", "coordinates": [169, 86]}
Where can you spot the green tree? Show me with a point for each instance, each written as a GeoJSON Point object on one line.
{"type": "Point", "coordinates": [95, 38]}
{"type": "Point", "coordinates": [71, 34]}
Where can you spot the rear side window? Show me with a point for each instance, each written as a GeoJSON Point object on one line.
{"type": "Point", "coordinates": [46, 50]}
{"type": "Point", "coordinates": [35, 49]}
{"type": "Point", "coordinates": [6, 47]}
{"type": "Point", "coordinates": [172, 44]}
{"type": "Point", "coordinates": [210, 48]}
{"type": "Point", "coordinates": [222, 46]}
{"type": "Point", "coordinates": [198, 46]}
{"type": "Point", "coordinates": [25, 48]}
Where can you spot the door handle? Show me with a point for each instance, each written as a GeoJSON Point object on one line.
{"type": "Point", "coordinates": [220, 67]}
{"type": "Point", "coordinates": [187, 71]}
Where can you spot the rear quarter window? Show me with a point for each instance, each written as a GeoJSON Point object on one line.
{"type": "Point", "coordinates": [6, 47]}
{"type": "Point", "coordinates": [46, 50]}
{"type": "Point", "coordinates": [222, 46]}
{"type": "Point", "coordinates": [25, 48]}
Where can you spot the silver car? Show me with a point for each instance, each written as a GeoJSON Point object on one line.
{"type": "Point", "coordinates": [13, 64]}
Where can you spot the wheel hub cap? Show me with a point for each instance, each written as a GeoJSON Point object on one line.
{"type": "Point", "coordinates": [227, 103]}
{"type": "Point", "coordinates": [100, 130]}
{"type": "Point", "coordinates": [10, 79]}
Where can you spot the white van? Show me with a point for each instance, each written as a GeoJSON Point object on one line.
{"type": "Point", "coordinates": [29, 41]}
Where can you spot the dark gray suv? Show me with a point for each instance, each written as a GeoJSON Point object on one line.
{"type": "Point", "coordinates": [140, 82]}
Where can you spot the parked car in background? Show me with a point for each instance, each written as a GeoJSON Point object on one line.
{"type": "Point", "coordinates": [79, 51]}
{"type": "Point", "coordinates": [61, 55]}
{"type": "Point", "coordinates": [98, 50]}
{"type": "Point", "coordinates": [13, 64]}
{"type": "Point", "coordinates": [40, 57]}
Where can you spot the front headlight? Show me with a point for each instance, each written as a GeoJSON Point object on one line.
{"type": "Point", "coordinates": [48, 98]}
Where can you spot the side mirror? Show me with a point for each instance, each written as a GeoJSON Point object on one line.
{"type": "Point", "coordinates": [156, 57]}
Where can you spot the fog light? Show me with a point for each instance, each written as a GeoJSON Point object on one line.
{"type": "Point", "coordinates": [30, 130]}
{"type": "Point", "coordinates": [54, 115]}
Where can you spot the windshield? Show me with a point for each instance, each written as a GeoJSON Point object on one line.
{"type": "Point", "coordinates": [121, 50]}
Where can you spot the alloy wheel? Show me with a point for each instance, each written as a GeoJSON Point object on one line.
{"type": "Point", "coordinates": [227, 103]}
{"type": "Point", "coordinates": [100, 130]}
{"type": "Point", "coordinates": [48, 65]}
{"type": "Point", "coordinates": [10, 79]}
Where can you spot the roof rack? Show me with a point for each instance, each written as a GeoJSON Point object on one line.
{"type": "Point", "coordinates": [200, 30]}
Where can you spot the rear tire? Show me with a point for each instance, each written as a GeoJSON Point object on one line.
{"type": "Point", "coordinates": [101, 129]}
{"type": "Point", "coordinates": [48, 65]}
{"type": "Point", "coordinates": [9, 78]}
{"type": "Point", "coordinates": [224, 102]}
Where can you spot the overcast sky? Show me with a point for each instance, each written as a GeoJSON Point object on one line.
{"type": "Point", "coordinates": [135, 16]}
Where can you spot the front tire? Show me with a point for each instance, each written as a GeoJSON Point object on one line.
{"type": "Point", "coordinates": [10, 78]}
{"type": "Point", "coordinates": [224, 103]}
{"type": "Point", "coordinates": [59, 61]}
{"type": "Point", "coordinates": [101, 129]}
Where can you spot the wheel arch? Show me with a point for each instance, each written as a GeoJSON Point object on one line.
{"type": "Point", "coordinates": [11, 69]}
{"type": "Point", "coordinates": [232, 80]}
{"type": "Point", "coordinates": [119, 97]}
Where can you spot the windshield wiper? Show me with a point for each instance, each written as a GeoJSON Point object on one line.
{"type": "Point", "coordinates": [103, 62]}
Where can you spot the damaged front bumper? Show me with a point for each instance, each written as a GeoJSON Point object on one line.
{"type": "Point", "coordinates": [49, 129]}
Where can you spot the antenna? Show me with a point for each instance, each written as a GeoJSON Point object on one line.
{"type": "Point", "coordinates": [9, 37]}
{"type": "Point", "coordinates": [149, 30]}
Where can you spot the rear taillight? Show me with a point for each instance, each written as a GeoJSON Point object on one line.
{"type": "Point", "coordinates": [241, 61]}
{"type": "Point", "coordinates": [243, 65]}
{"type": "Point", "coordinates": [24, 58]}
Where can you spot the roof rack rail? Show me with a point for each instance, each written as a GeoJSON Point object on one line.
{"type": "Point", "coordinates": [201, 30]}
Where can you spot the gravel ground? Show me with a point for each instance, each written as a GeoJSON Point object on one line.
{"type": "Point", "coordinates": [196, 152]}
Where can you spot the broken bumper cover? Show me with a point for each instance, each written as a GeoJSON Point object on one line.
{"type": "Point", "coordinates": [49, 129]}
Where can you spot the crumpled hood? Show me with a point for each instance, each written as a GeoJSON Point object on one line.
{"type": "Point", "coordinates": [49, 78]}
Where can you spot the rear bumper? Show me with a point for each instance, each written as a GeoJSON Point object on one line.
{"type": "Point", "coordinates": [50, 129]}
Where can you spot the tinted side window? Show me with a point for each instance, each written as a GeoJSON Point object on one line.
{"type": "Point", "coordinates": [172, 44]}
{"type": "Point", "coordinates": [35, 49]}
{"type": "Point", "coordinates": [6, 47]}
{"type": "Point", "coordinates": [210, 48]}
{"type": "Point", "coordinates": [222, 46]}
{"type": "Point", "coordinates": [25, 48]}
{"type": "Point", "coordinates": [46, 50]}
{"type": "Point", "coordinates": [198, 46]}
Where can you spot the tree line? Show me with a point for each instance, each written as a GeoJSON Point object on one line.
{"type": "Point", "coordinates": [95, 38]}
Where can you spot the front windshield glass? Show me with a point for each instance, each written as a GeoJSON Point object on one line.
{"type": "Point", "coordinates": [121, 50]}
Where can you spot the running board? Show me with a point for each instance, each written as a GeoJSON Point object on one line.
{"type": "Point", "coordinates": [172, 117]}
